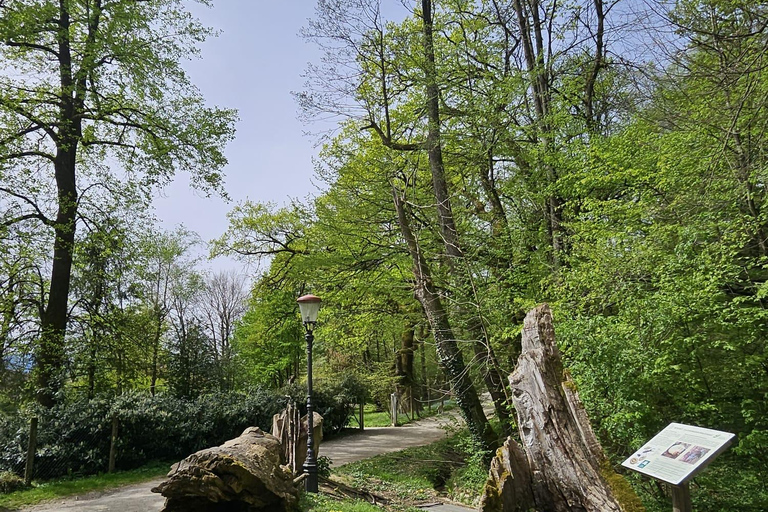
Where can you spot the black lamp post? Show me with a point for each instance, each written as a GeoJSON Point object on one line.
{"type": "Point", "coordinates": [309, 305]}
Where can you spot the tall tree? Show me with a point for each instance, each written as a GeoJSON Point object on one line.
{"type": "Point", "coordinates": [165, 287]}
{"type": "Point", "coordinates": [223, 303]}
{"type": "Point", "coordinates": [94, 79]}
{"type": "Point", "coordinates": [397, 84]}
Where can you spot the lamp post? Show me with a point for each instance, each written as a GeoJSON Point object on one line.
{"type": "Point", "coordinates": [309, 305]}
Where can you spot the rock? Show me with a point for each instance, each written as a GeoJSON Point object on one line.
{"type": "Point", "coordinates": [244, 474]}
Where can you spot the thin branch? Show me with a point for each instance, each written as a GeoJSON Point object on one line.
{"type": "Point", "coordinates": [33, 46]}
{"type": "Point", "coordinates": [27, 154]}
{"type": "Point", "coordinates": [414, 146]}
{"type": "Point", "coordinates": [39, 214]}
{"type": "Point", "coordinates": [27, 216]}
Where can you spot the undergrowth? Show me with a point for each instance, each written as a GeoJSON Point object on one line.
{"type": "Point", "coordinates": [449, 468]}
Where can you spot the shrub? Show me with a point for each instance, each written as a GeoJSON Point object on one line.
{"type": "Point", "coordinates": [336, 402]}
{"type": "Point", "coordinates": [74, 437]}
{"type": "Point", "coordinates": [14, 431]}
{"type": "Point", "coordinates": [10, 482]}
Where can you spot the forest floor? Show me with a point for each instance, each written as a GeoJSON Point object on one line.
{"type": "Point", "coordinates": [342, 450]}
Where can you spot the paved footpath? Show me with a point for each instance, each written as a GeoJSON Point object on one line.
{"type": "Point", "coordinates": [363, 445]}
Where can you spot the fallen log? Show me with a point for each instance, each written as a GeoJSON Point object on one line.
{"type": "Point", "coordinates": [244, 474]}
{"type": "Point", "coordinates": [560, 466]}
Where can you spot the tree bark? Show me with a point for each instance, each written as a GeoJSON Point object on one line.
{"type": "Point", "coordinates": [404, 367]}
{"type": "Point", "coordinates": [243, 474]}
{"type": "Point", "coordinates": [434, 144]}
{"type": "Point", "coordinates": [565, 462]}
{"type": "Point", "coordinates": [448, 352]}
{"type": "Point", "coordinates": [509, 486]}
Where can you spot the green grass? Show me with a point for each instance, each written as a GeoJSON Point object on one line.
{"type": "Point", "coordinates": [422, 473]}
{"type": "Point", "coordinates": [320, 503]}
{"type": "Point", "coordinates": [374, 418]}
{"type": "Point", "coordinates": [53, 489]}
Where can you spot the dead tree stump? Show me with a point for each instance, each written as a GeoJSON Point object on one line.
{"type": "Point", "coordinates": [292, 434]}
{"type": "Point", "coordinates": [244, 474]}
{"type": "Point", "coordinates": [560, 458]}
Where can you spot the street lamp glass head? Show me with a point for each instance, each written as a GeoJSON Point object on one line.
{"type": "Point", "coordinates": [309, 305]}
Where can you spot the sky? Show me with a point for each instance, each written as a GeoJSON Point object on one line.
{"type": "Point", "coordinates": [253, 66]}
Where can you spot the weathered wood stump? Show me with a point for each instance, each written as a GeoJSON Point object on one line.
{"type": "Point", "coordinates": [244, 474]}
{"type": "Point", "coordinates": [560, 466]}
{"type": "Point", "coordinates": [508, 487]}
{"type": "Point", "coordinates": [292, 434]}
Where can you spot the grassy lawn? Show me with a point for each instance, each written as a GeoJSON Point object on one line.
{"type": "Point", "coordinates": [374, 418]}
{"type": "Point", "coordinates": [419, 475]}
{"type": "Point", "coordinates": [71, 486]}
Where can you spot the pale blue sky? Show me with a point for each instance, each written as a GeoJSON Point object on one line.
{"type": "Point", "coordinates": [253, 66]}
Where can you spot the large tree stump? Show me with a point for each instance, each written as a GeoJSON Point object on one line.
{"type": "Point", "coordinates": [244, 474]}
{"type": "Point", "coordinates": [508, 487]}
{"type": "Point", "coordinates": [563, 460]}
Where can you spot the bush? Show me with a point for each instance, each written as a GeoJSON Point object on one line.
{"type": "Point", "coordinates": [10, 482]}
{"type": "Point", "coordinates": [336, 403]}
{"type": "Point", "coordinates": [165, 427]}
{"type": "Point", "coordinates": [14, 431]}
{"type": "Point", "coordinates": [74, 437]}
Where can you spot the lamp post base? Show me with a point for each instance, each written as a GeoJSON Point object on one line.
{"type": "Point", "coordinates": [310, 482]}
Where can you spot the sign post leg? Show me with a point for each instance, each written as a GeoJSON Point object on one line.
{"type": "Point", "coordinates": [681, 498]}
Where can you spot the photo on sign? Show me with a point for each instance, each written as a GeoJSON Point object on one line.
{"type": "Point", "coordinates": [675, 450]}
{"type": "Point", "coordinates": [693, 455]}
{"type": "Point", "coordinates": [641, 455]}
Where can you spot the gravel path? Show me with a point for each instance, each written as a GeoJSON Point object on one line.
{"type": "Point", "coordinates": [362, 445]}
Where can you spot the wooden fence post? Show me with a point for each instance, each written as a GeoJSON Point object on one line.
{"type": "Point", "coordinates": [31, 448]}
{"type": "Point", "coordinates": [681, 498]}
{"type": "Point", "coordinates": [393, 408]}
{"type": "Point", "coordinates": [113, 446]}
{"type": "Point", "coordinates": [362, 418]}
{"type": "Point", "coordinates": [295, 433]}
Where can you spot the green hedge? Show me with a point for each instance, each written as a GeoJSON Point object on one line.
{"type": "Point", "coordinates": [74, 437]}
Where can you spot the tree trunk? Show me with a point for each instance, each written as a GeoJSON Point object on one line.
{"type": "Point", "coordinates": [405, 370]}
{"type": "Point", "coordinates": [456, 262]}
{"type": "Point", "coordinates": [53, 322]}
{"type": "Point", "coordinates": [564, 462]}
{"type": "Point", "coordinates": [434, 144]}
{"type": "Point", "coordinates": [449, 355]}
{"type": "Point", "coordinates": [244, 473]}
{"type": "Point", "coordinates": [532, 38]}
{"type": "Point", "coordinates": [155, 362]}
{"type": "Point", "coordinates": [494, 382]}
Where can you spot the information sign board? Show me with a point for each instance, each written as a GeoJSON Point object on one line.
{"type": "Point", "coordinates": [679, 452]}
